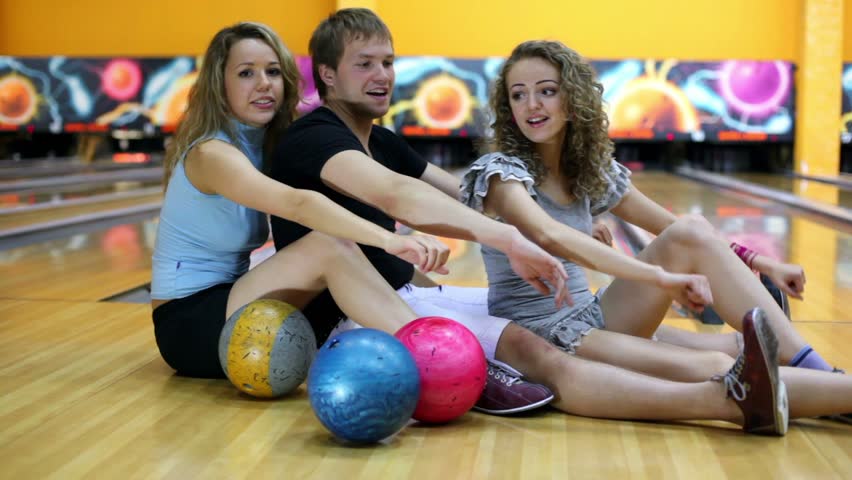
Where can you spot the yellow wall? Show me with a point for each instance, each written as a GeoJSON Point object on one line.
{"type": "Point", "coordinates": [847, 32]}
{"type": "Point", "coordinates": [147, 27]}
{"type": "Point", "coordinates": [698, 29]}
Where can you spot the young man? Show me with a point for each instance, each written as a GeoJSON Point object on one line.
{"type": "Point", "coordinates": [330, 151]}
{"type": "Point", "coordinates": [337, 151]}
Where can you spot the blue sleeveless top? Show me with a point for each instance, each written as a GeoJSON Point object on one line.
{"type": "Point", "coordinates": [205, 240]}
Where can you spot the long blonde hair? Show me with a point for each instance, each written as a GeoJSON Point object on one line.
{"type": "Point", "coordinates": [587, 149]}
{"type": "Point", "coordinates": [207, 109]}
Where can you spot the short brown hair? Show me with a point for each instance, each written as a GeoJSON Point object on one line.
{"type": "Point", "coordinates": [331, 36]}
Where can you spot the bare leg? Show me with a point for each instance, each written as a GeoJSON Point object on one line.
{"type": "Point", "coordinates": [653, 358]}
{"type": "Point", "coordinates": [597, 390]}
{"type": "Point", "coordinates": [305, 268]}
{"type": "Point", "coordinates": [691, 246]}
{"type": "Point", "coordinates": [720, 342]}
{"type": "Point", "coordinates": [813, 393]}
{"type": "Point", "coordinates": [810, 392]}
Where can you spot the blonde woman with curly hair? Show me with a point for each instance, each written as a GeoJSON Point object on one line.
{"type": "Point", "coordinates": [550, 171]}
{"type": "Point", "coordinates": [216, 205]}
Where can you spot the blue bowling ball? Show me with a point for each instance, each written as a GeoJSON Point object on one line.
{"type": "Point", "coordinates": [363, 385]}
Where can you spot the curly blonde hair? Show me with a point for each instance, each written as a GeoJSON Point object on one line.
{"type": "Point", "coordinates": [587, 149]}
{"type": "Point", "coordinates": [207, 108]}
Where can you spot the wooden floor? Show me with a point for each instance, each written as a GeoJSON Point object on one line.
{"type": "Point", "coordinates": [84, 394]}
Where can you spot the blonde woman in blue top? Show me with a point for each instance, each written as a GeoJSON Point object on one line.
{"type": "Point", "coordinates": [216, 204]}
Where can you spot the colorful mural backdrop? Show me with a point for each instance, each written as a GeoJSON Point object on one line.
{"type": "Point", "coordinates": [58, 94]}
{"type": "Point", "coordinates": [437, 96]}
{"type": "Point", "coordinates": [712, 101]}
{"type": "Point", "coordinates": [433, 96]}
{"type": "Point", "coordinates": [647, 99]}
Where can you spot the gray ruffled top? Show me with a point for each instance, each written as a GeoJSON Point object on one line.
{"type": "Point", "coordinates": [509, 296]}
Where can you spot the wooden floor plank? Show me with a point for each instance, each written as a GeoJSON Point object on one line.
{"type": "Point", "coordinates": [84, 393]}
{"type": "Point", "coordinates": [100, 402]}
{"type": "Point", "coordinates": [60, 353]}
{"type": "Point", "coordinates": [83, 267]}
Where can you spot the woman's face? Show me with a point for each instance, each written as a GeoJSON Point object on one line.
{"type": "Point", "coordinates": [254, 85]}
{"type": "Point", "coordinates": [536, 100]}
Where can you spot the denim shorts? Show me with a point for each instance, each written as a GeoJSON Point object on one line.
{"type": "Point", "coordinates": [566, 328]}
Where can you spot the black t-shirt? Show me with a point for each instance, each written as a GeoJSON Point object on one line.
{"type": "Point", "coordinates": [298, 161]}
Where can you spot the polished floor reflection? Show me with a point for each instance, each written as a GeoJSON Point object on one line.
{"type": "Point", "coordinates": [819, 191]}
{"type": "Point", "coordinates": [85, 394]}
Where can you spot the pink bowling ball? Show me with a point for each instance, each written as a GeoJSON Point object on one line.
{"type": "Point", "coordinates": [451, 364]}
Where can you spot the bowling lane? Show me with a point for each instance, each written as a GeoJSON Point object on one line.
{"type": "Point", "coordinates": [31, 204]}
{"type": "Point", "coordinates": [44, 167]}
{"type": "Point", "coordinates": [683, 196]}
{"type": "Point", "coordinates": [84, 267]}
{"type": "Point", "coordinates": [831, 194]}
{"type": "Point", "coordinates": [109, 261]}
{"type": "Point", "coordinates": [15, 218]}
{"type": "Point", "coordinates": [822, 247]}
{"type": "Point", "coordinates": [80, 180]}
{"type": "Point", "coordinates": [57, 196]}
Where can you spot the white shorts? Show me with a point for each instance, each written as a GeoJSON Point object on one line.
{"type": "Point", "coordinates": [468, 306]}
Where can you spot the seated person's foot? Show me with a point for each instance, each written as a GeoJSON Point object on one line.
{"type": "Point", "coordinates": [506, 392]}
{"type": "Point", "coordinates": [753, 381]}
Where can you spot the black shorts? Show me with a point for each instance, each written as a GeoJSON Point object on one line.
{"type": "Point", "coordinates": [187, 331]}
{"type": "Point", "coordinates": [323, 314]}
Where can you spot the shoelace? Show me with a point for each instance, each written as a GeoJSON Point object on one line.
{"type": "Point", "coordinates": [732, 382]}
{"type": "Point", "coordinates": [503, 376]}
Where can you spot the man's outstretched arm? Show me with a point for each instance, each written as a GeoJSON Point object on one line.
{"type": "Point", "coordinates": [430, 210]}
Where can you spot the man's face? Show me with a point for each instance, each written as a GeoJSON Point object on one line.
{"type": "Point", "coordinates": [364, 77]}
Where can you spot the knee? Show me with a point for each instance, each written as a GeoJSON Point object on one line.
{"type": "Point", "coordinates": [331, 250]}
{"type": "Point", "coordinates": [344, 248]}
{"type": "Point", "coordinates": [692, 231]}
{"type": "Point", "coordinates": [530, 354]}
{"type": "Point", "coordinates": [518, 339]}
